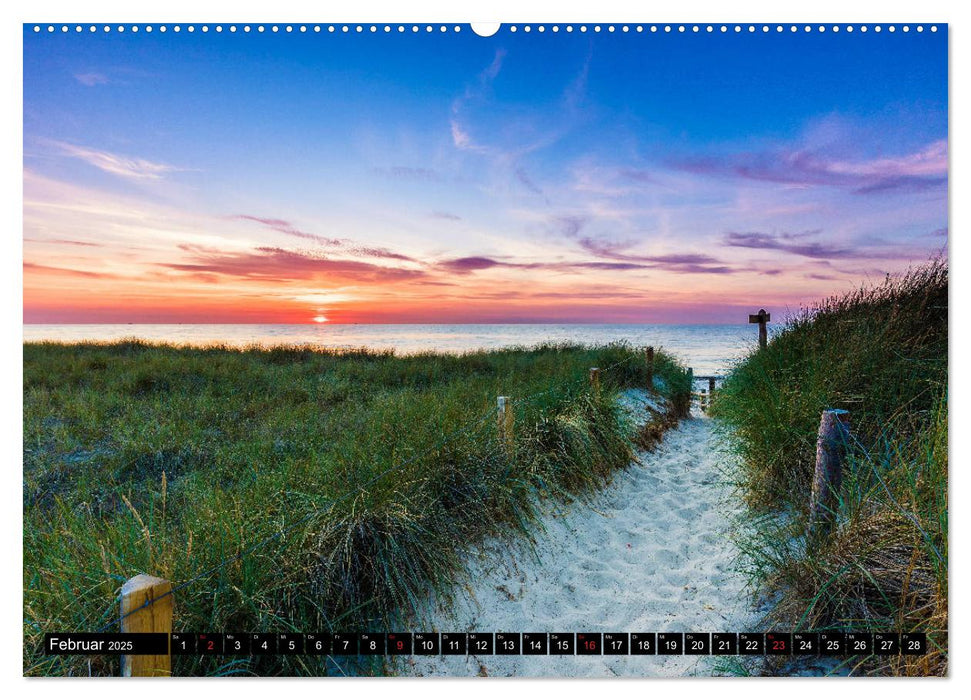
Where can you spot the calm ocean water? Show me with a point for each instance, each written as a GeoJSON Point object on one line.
{"type": "Point", "coordinates": [707, 349]}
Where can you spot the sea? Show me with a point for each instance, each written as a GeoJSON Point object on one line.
{"type": "Point", "coordinates": [707, 349]}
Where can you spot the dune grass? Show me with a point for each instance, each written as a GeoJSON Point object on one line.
{"type": "Point", "coordinates": [882, 353]}
{"type": "Point", "coordinates": [170, 460]}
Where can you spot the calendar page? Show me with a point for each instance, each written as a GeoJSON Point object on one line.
{"type": "Point", "coordinates": [540, 349]}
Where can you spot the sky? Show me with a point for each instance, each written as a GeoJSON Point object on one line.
{"type": "Point", "coordinates": [451, 178]}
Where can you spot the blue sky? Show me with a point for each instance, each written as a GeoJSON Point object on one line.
{"type": "Point", "coordinates": [417, 177]}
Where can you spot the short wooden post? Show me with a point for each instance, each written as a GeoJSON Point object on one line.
{"type": "Point", "coordinates": [711, 390]}
{"type": "Point", "coordinates": [155, 617]}
{"type": "Point", "coordinates": [761, 318]}
{"type": "Point", "coordinates": [703, 400]}
{"type": "Point", "coordinates": [834, 430]}
{"type": "Point", "coordinates": [650, 367]}
{"type": "Point", "coordinates": [505, 418]}
{"type": "Point", "coordinates": [595, 378]}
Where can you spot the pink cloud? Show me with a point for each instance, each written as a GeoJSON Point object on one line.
{"type": "Point", "coordinates": [279, 264]}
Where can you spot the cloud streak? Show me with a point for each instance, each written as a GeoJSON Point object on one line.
{"type": "Point", "coordinates": [284, 226]}
{"type": "Point", "coordinates": [922, 170]}
{"type": "Point", "coordinates": [64, 241]}
{"type": "Point", "coordinates": [791, 243]}
{"type": "Point", "coordinates": [682, 264]}
{"type": "Point", "coordinates": [123, 166]}
{"type": "Point", "coordinates": [48, 269]}
{"type": "Point", "coordinates": [404, 172]}
{"type": "Point", "coordinates": [278, 264]}
{"type": "Point", "coordinates": [614, 250]}
{"type": "Point", "coordinates": [344, 244]}
{"type": "Point", "coordinates": [91, 79]}
{"type": "Point", "coordinates": [461, 138]}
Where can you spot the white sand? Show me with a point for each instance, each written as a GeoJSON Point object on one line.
{"type": "Point", "coordinates": [651, 553]}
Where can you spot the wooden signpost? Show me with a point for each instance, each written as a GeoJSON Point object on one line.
{"type": "Point", "coordinates": [154, 617]}
{"type": "Point", "coordinates": [761, 318]}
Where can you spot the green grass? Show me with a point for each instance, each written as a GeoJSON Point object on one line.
{"type": "Point", "coordinates": [155, 459]}
{"type": "Point", "coordinates": [881, 353]}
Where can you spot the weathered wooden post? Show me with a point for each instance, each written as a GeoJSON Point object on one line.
{"type": "Point", "coordinates": [505, 419]}
{"type": "Point", "coordinates": [691, 389]}
{"type": "Point", "coordinates": [595, 378]}
{"type": "Point", "coordinates": [761, 318]}
{"type": "Point", "coordinates": [711, 390]}
{"type": "Point", "coordinates": [702, 400]}
{"type": "Point", "coordinates": [834, 431]}
{"type": "Point", "coordinates": [650, 367]}
{"type": "Point", "coordinates": [155, 617]}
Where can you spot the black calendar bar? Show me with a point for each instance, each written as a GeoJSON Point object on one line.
{"type": "Point", "coordinates": [92, 643]}
{"type": "Point", "coordinates": [489, 643]}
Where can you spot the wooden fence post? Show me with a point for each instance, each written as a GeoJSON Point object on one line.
{"type": "Point", "coordinates": [761, 318]}
{"type": "Point", "coordinates": [711, 390]}
{"type": "Point", "coordinates": [156, 617]}
{"type": "Point", "coordinates": [703, 400]}
{"type": "Point", "coordinates": [505, 417]}
{"type": "Point", "coordinates": [650, 367]}
{"type": "Point", "coordinates": [834, 430]}
{"type": "Point", "coordinates": [595, 378]}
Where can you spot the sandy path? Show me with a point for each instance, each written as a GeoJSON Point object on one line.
{"type": "Point", "coordinates": [651, 553]}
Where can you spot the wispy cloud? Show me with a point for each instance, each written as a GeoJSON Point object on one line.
{"type": "Point", "coordinates": [460, 135]}
{"type": "Point", "coordinates": [615, 250]}
{"type": "Point", "coordinates": [682, 264]}
{"type": "Point", "coordinates": [404, 172]}
{"type": "Point", "coordinates": [921, 170]}
{"type": "Point", "coordinates": [618, 252]}
{"type": "Point", "coordinates": [123, 166]}
{"type": "Point", "coordinates": [568, 225]}
{"type": "Point", "coordinates": [64, 241]}
{"type": "Point", "coordinates": [344, 244]}
{"type": "Point", "coordinates": [278, 264]}
{"type": "Point", "coordinates": [35, 267]}
{"type": "Point", "coordinates": [526, 181]}
{"type": "Point", "coordinates": [475, 263]}
{"type": "Point", "coordinates": [794, 243]}
{"type": "Point", "coordinates": [284, 226]}
{"type": "Point", "coordinates": [91, 79]}
{"type": "Point", "coordinates": [447, 215]}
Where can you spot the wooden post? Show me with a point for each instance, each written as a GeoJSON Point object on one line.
{"type": "Point", "coordinates": [595, 378]}
{"type": "Point", "coordinates": [156, 617]}
{"type": "Point", "coordinates": [711, 390]}
{"type": "Point", "coordinates": [761, 318]}
{"type": "Point", "coordinates": [650, 367]}
{"type": "Point", "coordinates": [834, 428]}
{"type": "Point", "coordinates": [505, 418]}
{"type": "Point", "coordinates": [702, 400]}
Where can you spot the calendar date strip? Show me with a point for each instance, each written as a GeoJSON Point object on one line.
{"type": "Point", "coordinates": [493, 643]}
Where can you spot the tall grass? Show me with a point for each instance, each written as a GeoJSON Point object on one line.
{"type": "Point", "coordinates": [169, 461]}
{"type": "Point", "coordinates": [881, 353]}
